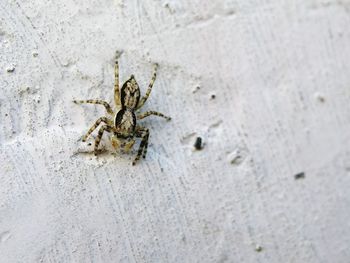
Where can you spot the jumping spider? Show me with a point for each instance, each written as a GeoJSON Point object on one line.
{"type": "Point", "coordinates": [123, 125]}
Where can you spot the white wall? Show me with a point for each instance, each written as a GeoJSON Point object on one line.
{"type": "Point", "coordinates": [280, 73]}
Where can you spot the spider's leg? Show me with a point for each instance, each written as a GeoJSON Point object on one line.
{"type": "Point", "coordinates": [149, 113]}
{"type": "Point", "coordinates": [101, 102]}
{"type": "Point", "coordinates": [99, 136]}
{"type": "Point", "coordinates": [148, 92]}
{"type": "Point", "coordinates": [116, 79]}
{"type": "Point", "coordinates": [146, 147]}
{"type": "Point", "coordinates": [144, 134]}
{"type": "Point", "coordinates": [93, 127]}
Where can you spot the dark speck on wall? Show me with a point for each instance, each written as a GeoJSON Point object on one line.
{"type": "Point", "coordinates": [198, 144]}
{"type": "Point", "coordinates": [299, 176]}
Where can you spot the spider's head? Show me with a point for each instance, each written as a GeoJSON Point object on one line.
{"type": "Point", "coordinates": [130, 93]}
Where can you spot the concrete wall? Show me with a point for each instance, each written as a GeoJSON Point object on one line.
{"type": "Point", "coordinates": [279, 73]}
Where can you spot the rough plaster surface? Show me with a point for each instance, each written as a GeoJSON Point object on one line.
{"type": "Point", "coordinates": [279, 71]}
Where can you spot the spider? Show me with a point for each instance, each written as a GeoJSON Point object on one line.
{"type": "Point", "coordinates": [122, 122]}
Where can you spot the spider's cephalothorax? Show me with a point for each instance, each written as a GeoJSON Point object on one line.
{"type": "Point", "coordinates": [124, 126]}
{"type": "Point", "coordinates": [125, 123]}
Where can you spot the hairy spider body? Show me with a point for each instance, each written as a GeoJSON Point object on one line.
{"type": "Point", "coordinates": [130, 94]}
{"type": "Point", "coordinates": [124, 126]}
{"type": "Point", "coordinates": [125, 123]}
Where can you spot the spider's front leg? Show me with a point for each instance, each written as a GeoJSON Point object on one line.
{"type": "Point", "coordinates": [146, 147]}
{"type": "Point", "coordinates": [99, 136]}
{"type": "Point", "coordinates": [93, 127]}
{"type": "Point", "coordinates": [148, 92]}
{"type": "Point", "coordinates": [142, 133]}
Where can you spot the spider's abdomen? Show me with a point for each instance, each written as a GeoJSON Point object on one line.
{"type": "Point", "coordinates": [130, 93]}
{"type": "Point", "coordinates": [125, 122]}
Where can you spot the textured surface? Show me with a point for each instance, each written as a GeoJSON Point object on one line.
{"type": "Point", "coordinates": [266, 84]}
